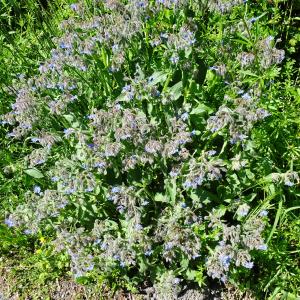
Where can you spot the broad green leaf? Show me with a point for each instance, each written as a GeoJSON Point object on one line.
{"type": "Point", "coordinates": [35, 173]}
{"type": "Point", "coordinates": [175, 90]}
{"type": "Point", "coordinates": [201, 109]}
{"type": "Point", "coordinates": [160, 198]}
{"type": "Point", "coordinates": [157, 77]}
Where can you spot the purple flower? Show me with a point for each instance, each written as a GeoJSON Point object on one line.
{"type": "Point", "coordinates": [243, 210]}
{"type": "Point", "coordinates": [27, 231]}
{"type": "Point", "coordinates": [213, 68]}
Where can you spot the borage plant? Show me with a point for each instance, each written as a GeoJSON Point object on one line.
{"type": "Point", "coordinates": [142, 126]}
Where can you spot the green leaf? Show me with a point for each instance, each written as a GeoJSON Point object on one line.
{"type": "Point", "coordinates": [191, 274]}
{"type": "Point", "coordinates": [158, 77]}
{"type": "Point", "coordinates": [160, 198]}
{"type": "Point", "coordinates": [175, 90]}
{"type": "Point", "coordinates": [201, 109]}
{"type": "Point", "coordinates": [69, 118]}
{"type": "Point", "coordinates": [171, 190]}
{"type": "Point", "coordinates": [35, 173]}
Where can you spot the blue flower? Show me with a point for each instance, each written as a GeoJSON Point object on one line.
{"type": "Point", "coordinates": [9, 222]}
{"type": "Point", "coordinates": [252, 20]}
{"type": "Point", "coordinates": [91, 146]}
{"type": "Point", "coordinates": [97, 242]}
{"type": "Point", "coordinates": [138, 227]}
{"type": "Point", "coordinates": [183, 205]}
{"type": "Point", "coordinates": [168, 246]}
{"type": "Point", "coordinates": [68, 131]}
{"type": "Point", "coordinates": [89, 189]}
{"type": "Point", "coordinates": [225, 260]}
{"type": "Point", "coordinates": [246, 97]}
{"type": "Point", "coordinates": [104, 246]}
{"type": "Point", "coordinates": [173, 173]}
{"type": "Point", "coordinates": [70, 191]}
{"type": "Point", "coordinates": [37, 189]}
{"type": "Point", "coordinates": [184, 116]}
{"type": "Point", "coordinates": [211, 152]}
{"type": "Point", "coordinates": [35, 139]}
{"type": "Point", "coordinates": [126, 88]}
{"type": "Point", "coordinates": [262, 247]}
{"type": "Point", "coordinates": [288, 183]}
{"type": "Point", "coordinates": [74, 6]}
{"type": "Point", "coordinates": [193, 132]}
{"type": "Point", "coordinates": [63, 45]}
{"type": "Point", "coordinates": [122, 264]}
{"type": "Point", "coordinates": [54, 179]}
{"type": "Point", "coordinates": [248, 264]}
{"type": "Point", "coordinates": [90, 267]}
{"type": "Point", "coordinates": [100, 164]}
{"type": "Point", "coordinates": [148, 252]}
{"type": "Point", "coordinates": [263, 213]}
{"type": "Point", "coordinates": [116, 189]}
{"type": "Point", "coordinates": [174, 59]}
